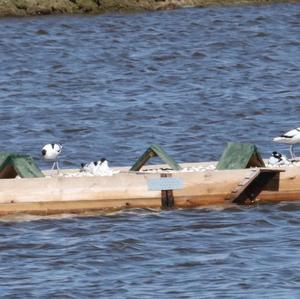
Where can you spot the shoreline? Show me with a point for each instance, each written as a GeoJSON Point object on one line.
{"type": "Point", "coordinates": [22, 8]}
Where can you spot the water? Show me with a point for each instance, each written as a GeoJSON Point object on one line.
{"type": "Point", "coordinates": [111, 85]}
{"type": "Point", "coordinates": [201, 253]}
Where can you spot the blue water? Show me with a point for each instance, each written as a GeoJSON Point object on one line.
{"type": "Point", "coordinates": [111, 85]}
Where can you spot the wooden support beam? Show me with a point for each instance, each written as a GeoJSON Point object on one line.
{"type": "Point", "coordinates": [253, 184]}
{"type": "Point", "coordinates": [167, 198]}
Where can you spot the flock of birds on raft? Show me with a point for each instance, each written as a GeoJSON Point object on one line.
{"type": "Point", "coordinates": [51, 152]}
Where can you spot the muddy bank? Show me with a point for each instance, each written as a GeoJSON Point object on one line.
{"type": "Point", "coordinates": [45, 7]}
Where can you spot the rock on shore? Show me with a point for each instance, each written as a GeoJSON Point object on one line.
{"type": "Point", "coordinates": [45, 7]}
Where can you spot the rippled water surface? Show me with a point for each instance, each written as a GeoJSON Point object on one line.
{"type": "Point", "coordinates": [111, 85]}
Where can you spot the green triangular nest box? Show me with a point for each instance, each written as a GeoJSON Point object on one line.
{"type": "Point", "coordinates": [153, 151]}
{"type": "Point", "coordinates": [239, 156]}
{"type": "Point", "coordinates": [12, 164]}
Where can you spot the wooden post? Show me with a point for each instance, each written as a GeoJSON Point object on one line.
{"type": "Point", "coordinates": [167, 198]}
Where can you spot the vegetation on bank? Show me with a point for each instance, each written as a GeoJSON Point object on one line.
{"type": "Point", "coordinates": [45, 7]}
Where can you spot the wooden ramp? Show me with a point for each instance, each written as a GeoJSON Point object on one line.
{"type": "Point", "coordinates": [257, 180]}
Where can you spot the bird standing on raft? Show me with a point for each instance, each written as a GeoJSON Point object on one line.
{"type": "Point", "coordinates": [291, 137]}
{"type": "Point", "coordinates": [51, 152]}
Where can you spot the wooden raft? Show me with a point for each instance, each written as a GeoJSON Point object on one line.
{"type": "Point", "coordinates": [54, 195]}
{"type": "Point", "coordinates": [257, 180]}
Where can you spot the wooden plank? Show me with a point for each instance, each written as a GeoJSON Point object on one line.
{"type": "Point", "coordinates": [235, 193]}
{"type": "Point", "coordinates": [80, 194]}
{"type": "Point", "coordinates": [249, 189]}
{"type": "Point", "coordinates": [77, 206]}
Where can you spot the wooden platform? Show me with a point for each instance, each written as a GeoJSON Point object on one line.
{"type": "Point", "coordinates": [126, 189]}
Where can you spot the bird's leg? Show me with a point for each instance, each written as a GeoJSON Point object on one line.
{"type": "Point", "coordinates": [57, 167]}
{"type": "Point", "coordinates": [292, 152]}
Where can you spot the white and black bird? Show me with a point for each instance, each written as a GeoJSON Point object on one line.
{"type": "Point", "coordinates": [51, 152]}
{"type": "Point", "coordinates": [89, 167]}
{"type": "Point", "coordinates": [291, 137]}
{"type": "Point", "coordinates": [277, 159]}
{"type": "Point", "coordinates": [103, 167]}
{"type": "Point", "coordinates": [97, 167]}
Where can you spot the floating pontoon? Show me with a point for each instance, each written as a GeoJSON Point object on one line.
{"type": "Point", "coordinates": [240, 177]}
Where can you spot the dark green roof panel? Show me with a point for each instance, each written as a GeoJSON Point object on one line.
{"type": "Point", "coordinates": [239, 156]}
{"type": "Point", "coordinates": [155, 150]}
{"type": "Point", "coordinates": [24, 165]}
